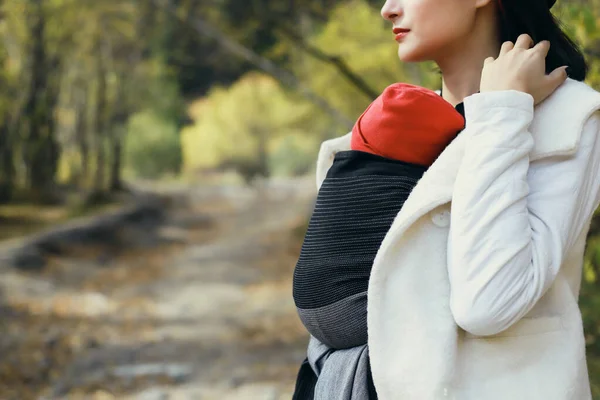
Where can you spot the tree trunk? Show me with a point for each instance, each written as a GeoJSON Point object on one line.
{"type": "Point", "coordinates": [37, 127]}
{"type": "Point", "coordinates": [7, 171]}
{"type": "Point", "coordinates": [116, 183]}
{"type": "Point", "coordinates": [117, 128]}
{"type": "Point", "coordinates": [100, 121]}
{"type": "Point", "coordinates": [263, 156]}
{"type": "Point", "coordinates": [81, 136]}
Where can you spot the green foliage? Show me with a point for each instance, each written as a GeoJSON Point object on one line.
{"type": "Point", "coordinates": [293, 154]}
{"type": "Point", "coordinates": [589, 303]}
{"type": "Point", "coordinates": [152, 146]}
{"type": "Point", "coordinates": [239, 122]}
{"type": "Point", "coordinates": [367, 46]}
{"type": "Point", "coordinates": [155, 87]}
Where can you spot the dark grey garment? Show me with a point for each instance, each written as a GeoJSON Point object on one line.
{"type": "Point", "coordinates": [341, 374]}
{"type": "Point", "coordinates": [356, 205]}
{"type": "Point", "coordinates": [340, 325]}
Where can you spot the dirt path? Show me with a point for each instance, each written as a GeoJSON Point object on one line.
{"type": "Point", "coordinates": [204, 312]}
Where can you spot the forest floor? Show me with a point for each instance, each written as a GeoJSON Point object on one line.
{"type": "Point", "coordinates": [192, 303]}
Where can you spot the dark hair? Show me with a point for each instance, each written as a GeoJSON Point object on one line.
{"type": "Point", "coordinates": [534, 18]}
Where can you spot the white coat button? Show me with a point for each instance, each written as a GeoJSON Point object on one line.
{"type": "Point", "coordinates": [441, 218]}
{"type": "Point", "coordinates": [446, 393]}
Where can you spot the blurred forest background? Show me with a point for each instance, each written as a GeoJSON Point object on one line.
{"type": "Point", "coordinates": [100, 95]}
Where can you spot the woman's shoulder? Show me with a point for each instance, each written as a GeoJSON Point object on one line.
{"type": "Point", "coordinates": [571, 92]}
{"type": "Point", "coordinates": [566, 110]}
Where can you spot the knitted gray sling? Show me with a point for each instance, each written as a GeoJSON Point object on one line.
{"type": "Point", "coordinates": [356, 205]}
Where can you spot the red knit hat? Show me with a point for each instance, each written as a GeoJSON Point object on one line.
{"type": "Point", "coordinates": [408, 123]}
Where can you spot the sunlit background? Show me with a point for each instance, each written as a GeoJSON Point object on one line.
{"type": "Point", "coordinates": [156, 177]}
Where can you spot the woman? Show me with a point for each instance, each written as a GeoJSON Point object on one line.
{"type": "Point", "coordinates": [473, 291]}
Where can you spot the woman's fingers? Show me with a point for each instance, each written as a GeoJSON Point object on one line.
{"type": "Point", "coordinates": [506, 47]}
{"type": "Point", "coordinates": [543, 47]}
{"type": "Point", "coordinates": [521, 67]}
{"type": "Point", "coordinates": [524, 41]}
{"type": "Point", "coordinates": [556, 78]}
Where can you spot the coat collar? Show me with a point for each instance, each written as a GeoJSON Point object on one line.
{"type": "Point", "coordinates": [556, 128]}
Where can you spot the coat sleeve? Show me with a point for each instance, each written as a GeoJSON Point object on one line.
{"type": "Point", "coordinates": [512, 223]}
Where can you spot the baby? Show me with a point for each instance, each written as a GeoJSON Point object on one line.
{"type": "Point", "coordinates": [393, 143]}
{"type": "Point", "coordinates": [407, 123]}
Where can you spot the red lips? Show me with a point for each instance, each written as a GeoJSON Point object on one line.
{"type": "Point", "coordinates": [400, 33]}
{"type": "Point", "coordinates": [400, 30]}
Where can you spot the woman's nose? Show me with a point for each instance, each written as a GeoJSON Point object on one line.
{"type": "Point", "coordinates": [391, 10]}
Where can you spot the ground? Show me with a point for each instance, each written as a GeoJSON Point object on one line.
{"type": "Point", "coordinates": [198, 305]}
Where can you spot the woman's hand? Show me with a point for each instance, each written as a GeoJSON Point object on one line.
{"type": "Point", "coordinates": [522, 67]}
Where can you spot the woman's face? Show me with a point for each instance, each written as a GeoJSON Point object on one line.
{"type": "Point", "coordinates": [436, 27]}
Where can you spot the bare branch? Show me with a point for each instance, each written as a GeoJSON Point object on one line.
{"type": "Point", "coordinates": [282, 75]}
{"type": "Point", "coordinates": [336, 61]}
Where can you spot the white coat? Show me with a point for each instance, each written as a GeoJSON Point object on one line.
{"type": "Point", "coordinates": [473, 292]}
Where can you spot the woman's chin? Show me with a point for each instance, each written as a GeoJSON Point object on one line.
{"type": "Point", "coordinates": [407, 54]}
